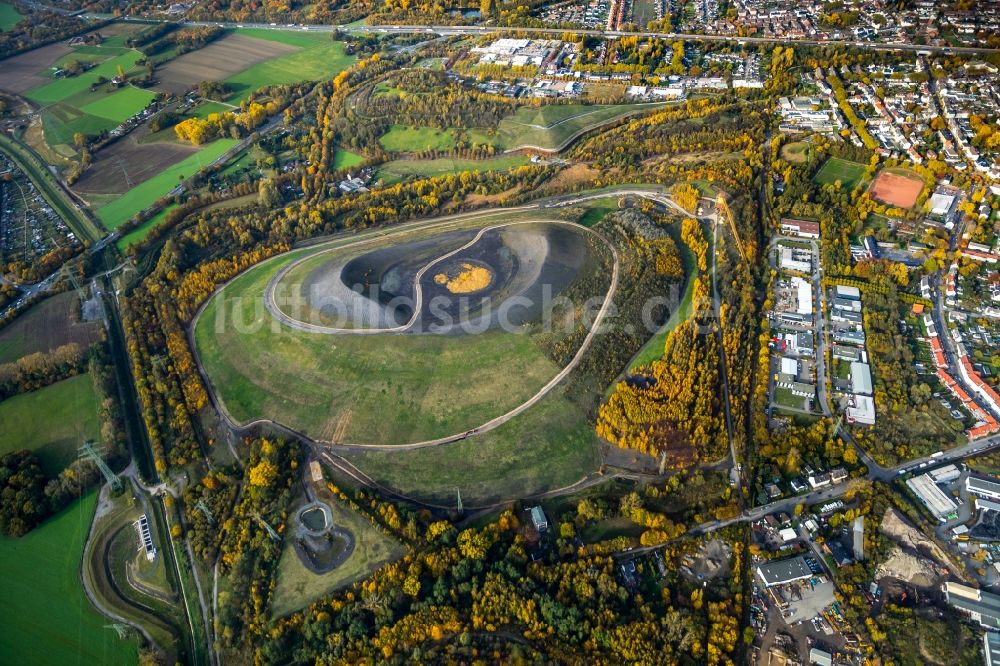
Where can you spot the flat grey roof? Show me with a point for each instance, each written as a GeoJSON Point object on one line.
{"type": "Point", "coordinates": [984, 484]}
{"type": "Point", "coordinates": [991, 648]}
{"type": "Point", "coordinates": [987, 607]}
{"type": "Point", "coordinates": [784, 571]}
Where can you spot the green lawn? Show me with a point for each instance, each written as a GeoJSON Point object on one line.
{"type": "Point", "coordinates": [52, 421]}
{"type": "Point", "coordinates": [399, 170]}
{"type": "Point", "coordinates": [343, 159]}
{"type": "Point", "coordinates": [597, 209]}
{"type": "Point", "coordinates": [204, 109]}
{"type": "Point", "coordinates": [405, 139]}
{"type": "Point", "coordinates": [9, 16]}
{"type": "Point", "coordinates": [297, 587]}
{"type": "Point", "coordinates": [319, 58]}
{"type": "Point", "coordinates": [46, 616]}
{"type": "Point", "coordinates": [550, 127]}
{"type": "Point", "coordinates": [552, 445]}
{"type": "Point", "coordinates": [848, 173]}
{"type": "Point", "coordinates": [119, 211]}
{"type": "Point", "coordinates": [62, 89]}
{"type": "Point", "coordinates": [796, 152]}
{"type": "Point", "coordinates": [121, 104]}
{"type": "Point", "coordinates": [141, 231]}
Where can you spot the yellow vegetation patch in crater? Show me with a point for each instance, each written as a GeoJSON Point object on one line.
{"type": "Point", "coordinates": [469, 279]}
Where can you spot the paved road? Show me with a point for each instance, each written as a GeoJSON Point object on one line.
{"type": "Point", "coordinates": [655, 194]}
{"type": "Point", "coordinates": [445, 30]}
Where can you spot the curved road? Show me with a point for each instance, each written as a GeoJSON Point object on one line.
{"type": "Point", "coordinates": [653, 193]}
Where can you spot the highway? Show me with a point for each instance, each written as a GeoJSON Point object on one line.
{"type": "Point", "coordinates": [447, 30]}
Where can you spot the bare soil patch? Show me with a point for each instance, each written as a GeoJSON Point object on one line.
{"type": "Point", "coordinates": [217, 61]}
{"type": "Point", "coordinates": [23, 72]}
{"type": "Point", "coordinates": [896, 189]}
{"type": "Point", "coordinates": [573, 175]}
{"type": "Point", "coordinates": [140, 161]}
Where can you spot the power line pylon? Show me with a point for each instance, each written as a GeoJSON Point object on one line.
{"type": "Point", "coordinates": [89, 452]}
{"type": "Point", "coordinates": [201, 506]}
{"type": "Point", "coordinates": [270, 530]}
{"type": "Point", "coordinates": [458, 503]}
{"type": "Point", "coordinates": [121, 629]}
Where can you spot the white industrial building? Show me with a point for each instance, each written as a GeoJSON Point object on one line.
{"type": "Point", "coordinates": [932, 496]}
{"type": "Point", "coordinates": [983, 486]}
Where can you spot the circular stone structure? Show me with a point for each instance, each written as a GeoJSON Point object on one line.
{"type": "Point", "coordinates": [361, 343]}
{"type": "Point", "coordinates": [320, 545]}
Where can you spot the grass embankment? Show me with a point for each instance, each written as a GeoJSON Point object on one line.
{"type": "Point", "coordinates": [553, 127]}
{"type": "Point", "coordinates": [399, 170]}
{"type": "Point", "coordinates": [113, 557]}
{"type": "Point", "coordinates": [46, 616]}
{"type": "Point", "coordinates": [52, 421]}
{"type": "Point", "coordinates": [53, 193]}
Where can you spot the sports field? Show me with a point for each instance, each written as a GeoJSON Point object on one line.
{"type": "Point", "coordinates": [834, 169]}
{"type": "Point", "coordinates": [405, 139]}
{"type": "Point", "coordinates": [398, 170]}
{"type": "Point", "coordinates": [45, 614]}
{"type": "Point", "coordinates": [317, 57]}
{"type": "Point", "coordinates": [53, 421]}
{"type": "Point", "coordinates": [9, 16]}
{"type": "Point", "coordinates": [52, 323]}
{"type": "Point", "coordinates": [119, 211]}
{"type": "Point", "coordinates": [551, 127]}
{"type": "Point", "coordinates": [298, 587]}
{"type": "Point", "coordinates": [897, 187]}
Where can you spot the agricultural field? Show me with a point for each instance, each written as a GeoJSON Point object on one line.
{"type": "Point", "coordinates": [399, 170]}
{"type": "Point", "coordinates": [297, 587]}
{"type": "Point", "coordinates": [377, 388]}
{"type": "Point", "coordinates": [46, 616]}
{"type": "Point", "coordinates": [130, 156]}
{"type": "Point", "coordinates": [52, 323]}
{"type": "Point", "coordinates": [9, 16]}
{"type": "Point", "coordinates": [53, 421]}
{"type": "Point", "coordinates": [316, 57]}
{"type": "Point", "coordinates": [217, 61]}
{"type": "Point", "coordinates": [30, 70]}
{"type": "Point", "coordinates": [897, 187]}
{"type": "Point", "coordinates": [848, 173]}
{"type": "Point", "coordinates": [119, 211]}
